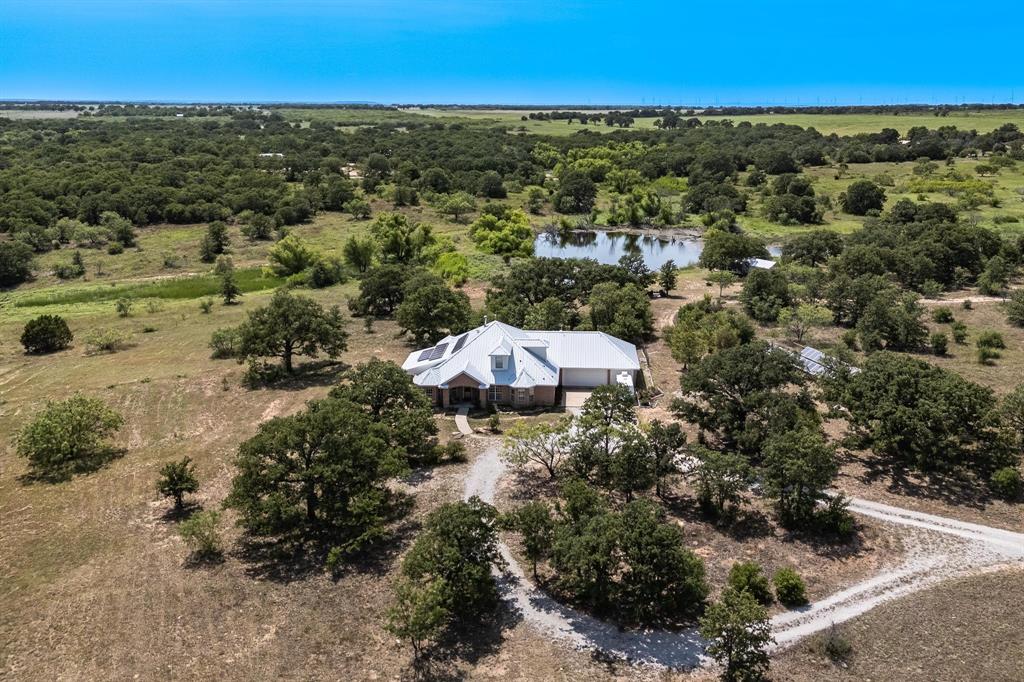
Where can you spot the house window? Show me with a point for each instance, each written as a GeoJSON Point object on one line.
{"type": "Point", "coordinates": [499, 362]}
{"type": "Point", "coordinates": [429, 390]}
{"type": "Point", "coordinates": [494, 393]}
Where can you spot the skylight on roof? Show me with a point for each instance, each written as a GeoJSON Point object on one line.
{"type": "Point", "coordinates": [460, 343]}
{"type": "Point", "coordinates": [438, 351]}
{"type": "Point", "coordinates": [425, 354]}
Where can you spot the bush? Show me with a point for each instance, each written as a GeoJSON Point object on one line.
{"type": "Point", "coordinates": [46, 334]}
{"type": "Point", "coordinates": [1006, 483]}
{"type": "Point", "coordinates": [15, 262]}
{"type": "Point", "coordinates": [114, 248]}
{"type": "Point", "coordinates": [789, 587]}
{"type": "Point", "coordinates": [69, 435]}
{"type": "Point", "coordinates": [959, 330]}
{"type": "Point", "coordinates": [205, 306]}
{"type": "Point", "coordinates": [939, 343]}
{"type": "Point", "coordinates": [106, 340]}
{"type": "Point", "coordinates": [326, 272]}
{"type": "Point", "coordinates": [494, 423]}
{"type": "Point", "coordinates": [747, 575]}
{"type": "Point", "coordinates": [836, 647]}
{"type": "Point", "coordinates": [453, 452]}
{"type": "Point", "coordinates": [225, 343]}
{"type": "Point", "coordinates": [942, 315]}
{"type": "Point", "coordinates": [201, 533]}
{"type": "Point", "coordinates": [123, 306]}
{"type": "Point", "coordinates": [991, 339]}
{"type": "Point", "coordinates": [835, 518]}
{"type": "Point", "coordinates": [967, 305]}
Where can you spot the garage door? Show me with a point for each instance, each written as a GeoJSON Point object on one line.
{"type": "Point", "coordinates": [584, 377]}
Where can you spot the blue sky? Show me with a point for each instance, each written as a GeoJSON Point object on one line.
{"type": "Point", "coordinates": [525, 51]}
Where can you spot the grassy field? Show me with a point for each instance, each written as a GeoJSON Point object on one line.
{"type": "Point", "coordinates": [841, 124]}
{"type": "Point", "coordinates": [853, 124]}
{"type": "Point", "coordinates": [94, 579]}
{"type": "Point", "coordinates": [956, 631]}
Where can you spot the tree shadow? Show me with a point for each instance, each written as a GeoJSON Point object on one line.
{"type": "Point", "coordinates": [303, 553]}
{"type": "Point", "coordinates": [529, 484]}
{"type": "Point", "coordinates": [315, 373]}
{"type": "Point", "coordinates": [465, 644]}
{"type": "Point", "coordinates": [954, 487]}
{"type": "Point", "coordinates": [176, 515]}
{"type": "Point", "coordinates": [202, 560]}
{"type": "Point", "coordinates": [737, 522]}
{"type": "Point", "coordinates": [85, 465]}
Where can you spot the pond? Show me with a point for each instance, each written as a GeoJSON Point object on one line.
{"type": "Point", "coordinates": [608, 247]}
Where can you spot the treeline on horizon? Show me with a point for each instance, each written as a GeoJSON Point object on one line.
{"type": "Point", "coordinates": [557, 111]}
{"type": "Point", "coordinates": [152, 170]}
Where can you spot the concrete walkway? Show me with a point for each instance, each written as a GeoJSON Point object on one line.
{"type": "Point", "coordinates": [462, 421]}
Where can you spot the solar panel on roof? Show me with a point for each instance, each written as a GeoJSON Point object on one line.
{"type": "Point", "coordinates": [425, 354]}
{"type": "Point", "coordinates": [438, 351]}
{"type": "Point", "coordinates": [460, 343]}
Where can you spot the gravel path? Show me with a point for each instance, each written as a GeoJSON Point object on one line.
{"type": "Point", "coordinates": [938, 548]}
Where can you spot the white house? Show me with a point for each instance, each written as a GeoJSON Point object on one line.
{"type": "Point", "coordinates": [501, 364]}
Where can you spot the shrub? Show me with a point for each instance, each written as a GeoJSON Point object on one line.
{"type": "Point", "coordinates": [16, 262]}
{"type": "Point", "coordinates": [452, 451]}
{"type": "Point", "coordinates": [835, 646]}
{"type": "Point", "coordinates": [939, 343]}
{"type": "Point", "coordinates": [123, 306]}
{"type": "Point", "coordinates": [835, 518]}
{"type": "Point", "coordinates": [789, 587]}
{"type": "Point", "coordinates": [114, 248]}
{"type": "Point", "coordinates": [959, 330]}
{"type": "Point", "coordinates": [106, 340]}
{"type": "Point", "coordinates": [942, 315]}
{"type": "Point", "coordinates": [46, 334]}
{"type": "Point", "coordinates": [69, 435]}
{"type": "Point", "coordinates": [225, 343]}
{"type": "Point", "coordinates": [991, 339]}
{"type": "Point", "coordinates": [205, 306]}
{"type": "Point", "coordinates": [201, 533]}
{"type": "Point", "coordinates": [1006, 483]}
{"type": "Point", "coordinates": [326, 272]}
{"type": "Point", "coordinates": [967, 305]}
{"type": "Point", "coordinates": [747, 575]}
{"type": "Point", "coordinates": [494, 423]}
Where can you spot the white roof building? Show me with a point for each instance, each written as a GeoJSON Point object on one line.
{"type": "Point", "coordinates": [502, 364]}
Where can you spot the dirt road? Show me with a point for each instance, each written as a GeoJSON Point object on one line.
{"type": "Point", "coordinates": [939, 548]}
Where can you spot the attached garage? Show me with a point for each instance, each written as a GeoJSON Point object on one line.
{"type": "Point", "coordinates": [585, 378]}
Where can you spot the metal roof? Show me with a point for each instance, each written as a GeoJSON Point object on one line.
{"type": "Point", "coordinates": [535, 357]}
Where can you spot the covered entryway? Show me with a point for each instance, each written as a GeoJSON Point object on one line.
{"type": "Point", "coordinates": [463, 394]}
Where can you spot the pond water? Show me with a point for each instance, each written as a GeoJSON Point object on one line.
{"type": "Point", "coordinates": [608, 247]}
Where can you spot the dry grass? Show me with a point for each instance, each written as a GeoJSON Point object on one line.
{"type": "Point", "coordinates": [959, 631]}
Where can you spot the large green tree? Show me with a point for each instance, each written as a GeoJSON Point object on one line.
{"type": "Point", "coordinates": [318, 474]}
{"type": "Point", "coordinates": [390, 397]}
{"type": "Point", "coordinates": [68, 436]}
{"type": "Point", "coordinates": [291, 325]}
{"type": "Point", "coordinates": [430, 310]}
{"type": "Point", "coordinates": [737, 392]}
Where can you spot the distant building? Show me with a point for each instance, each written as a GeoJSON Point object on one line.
{"type": "Point", "coordinates": [271, 155]}
{"type": "Point", "coordinates": [760, 264]}
{"type": "Point", "coordinates": [500, 364]}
